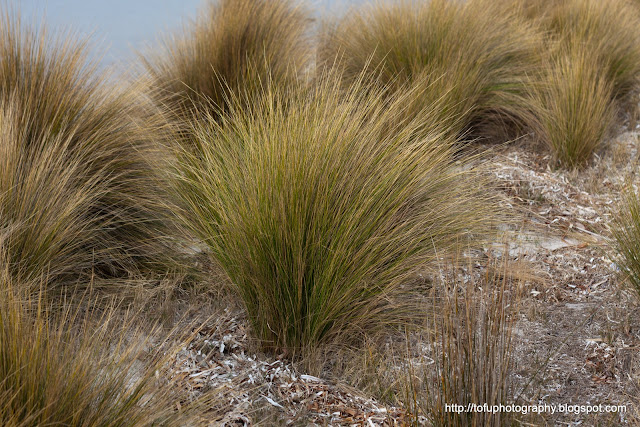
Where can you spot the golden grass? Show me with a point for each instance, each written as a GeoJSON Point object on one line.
{"type": "Point", "coordinates": [79, 155]}
{"type": "Point", "coordinates": [609, 31]}
{"type": "Point", "coordinates": [590, 71]}
{"type": "Point", "coordinates": [595, 70]}
{"type": "Point", "coordinates": [321, 202]}
{"type": "Point", "coordinates": [573, 107]}
{"type": "Point", "coordinates": [233, 48]}
{"type": "Point", "coordinates": [82, 366]}
{"type": "Point", "coordinates": [626, 235]}
{"type": "Point", "coordinates": [472, 346]}
{"type": "Point", "coordinates": [472, 55]}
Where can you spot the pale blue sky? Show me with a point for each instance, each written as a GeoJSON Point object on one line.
{"type": "Point", "coordinates": [119, 26]}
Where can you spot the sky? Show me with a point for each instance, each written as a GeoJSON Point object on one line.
{"type": "Point", "coordinates": [118, 27]}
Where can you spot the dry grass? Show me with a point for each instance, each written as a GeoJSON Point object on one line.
{"type": "Point", "coordinates": [609, 31]}
{"type": "Point", "coordinates": [626, 235]}
{"type": "Point", "coordinates": [485, 59]}
{"type": "Point", "coordinates": [233, 48]}
{"type": "Point", "coordinates": [82, 366]}
{"type": "Point", "coordinates": [590, 70]}
{"type": "Point", "coordinates": [473, 55]}
{"type": "Point", "coordinates": [573, 106]}
{"type": "Point", "coordinates": [471, 347]}
{"type": "Point", "coordinates": [79, 192]}
{"type": "Point", "coordinates": [319, 211]}
{"type": "Point", "coordinates": [321, 202]}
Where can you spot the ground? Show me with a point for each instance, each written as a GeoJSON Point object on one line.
{"type": "Point", "coordinates": [579, 325]}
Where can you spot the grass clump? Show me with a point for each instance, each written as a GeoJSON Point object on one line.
{"type": "Point", "coordinates": [473, 55]}
{"type": "Point", "coordinates": [608, 30]}
{"type": "Point", "coordinates": [574, 107]}
{"type": "Point", "coordinates": [71, 367]}
{"type": "Point", "coordinates": [233, 48]}
{"type": "Point", "coordinates": [590, 70]}
{"type": "Point", "coordinates": [471, 347]}
{"type": "Point", "coordinates": [626, 235]}
{"type": "Point", "coordinates": [79, 194]}
{"type": "Point", "coordinates": [319, 209]}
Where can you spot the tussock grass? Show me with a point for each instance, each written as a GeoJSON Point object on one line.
{"type": "Point", "coordinates": [233, 48]}
{"type": "Point", "coordinates": [626, 235]}
{"type": "Point", "coordinates": [608, 30]}
{"type": "Point", "coordinates": [590, 71]}
{"type": "Point", "coordinates": [472, 346]}
{"type": "Point", "coordinates": [78, 153]}
{"type": "Point", "coordinates": [319, 209]}
{"type": "Point", "coordinates": [76, 367]}
{"type": "Point", "coordinates": [574, 107]}
{"type": "Point", "coordinates": [473, 55]}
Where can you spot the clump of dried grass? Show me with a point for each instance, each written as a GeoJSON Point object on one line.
{"type": "Point", "coordinates": [80, 192]}
{"type": "Point", "coordinates": [608, 30]}
{"type": "Point", "coordinates": [233, 48]}
{"type": "Point", "coordinates": [85, 364]}
{"type": "Point", "coordinates": [473, 56]}
{"type": "Point", "coordinates": [590, 71]}
{"type": "Point", "coordinates": [471, 345]}
{"type": "Point", "coordinates": [573, 107]}
{"type": "Point", "coordinates": [626, 235]}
